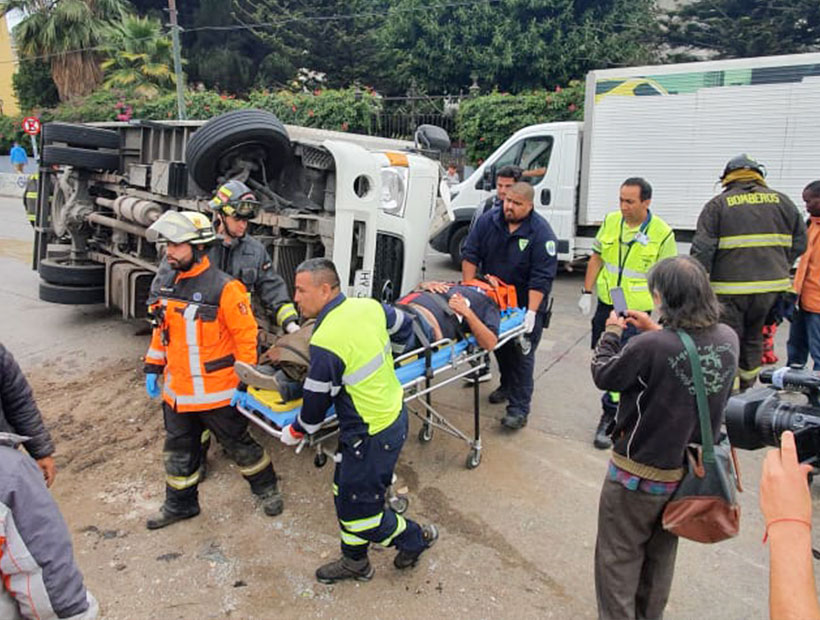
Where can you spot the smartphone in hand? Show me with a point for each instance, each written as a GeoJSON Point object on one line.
{"type": "Point", "coordinates": [618, 300]}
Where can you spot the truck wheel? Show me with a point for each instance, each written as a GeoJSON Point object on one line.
{"type": "Point", "coordinates": [62, 271]}
{"type": "Point", "coordinates": [81, 135]}
{"type": "Point", "coordinates": [241, 134]}
{"type": "Point", "coordinates": [79, 158]}
{"type": "Point", "coordinates": [71, 295]}
{"type": "Point", "coordinates": [456, 243]}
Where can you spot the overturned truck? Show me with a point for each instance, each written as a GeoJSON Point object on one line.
{"type": "Point", "coordinates": [369, 204]}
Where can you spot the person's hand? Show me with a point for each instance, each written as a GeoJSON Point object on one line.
{"type": "Point", "coordinates": [292, 327]}
{"type": "Point", "coordinates": [152, 385]}
{"type": "Point", "coordinates": [435, 286]}
{"type": "Point", "coordinates": [614, 319]}
{"type": "Point", "coordinates": [49, 469]}
{"type": "Point", "coordinates": [641, 320]}
{"type": "Point", "coordinates": [290, 437]}
{"type": "Point", "coordinates": [585, 303]}
{"type": "Point", "coordinates": [239, 398]}
{"type": "Point", "coordinates": [784, 488]}
{"type": "Point", "coordinates": [459, 304]}
{"type": "Point", "coordinates": [529, 321]}
{"type": "Point", "coordinates": [494, 282]}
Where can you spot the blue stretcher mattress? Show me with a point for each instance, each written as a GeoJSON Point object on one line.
{"type": "Point", "coordinates": [407, 372]}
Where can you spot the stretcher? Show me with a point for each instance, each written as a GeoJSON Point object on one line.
{"type": "Point", "coordinates": [420, 372]}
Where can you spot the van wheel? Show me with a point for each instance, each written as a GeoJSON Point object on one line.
{"type": "Point", "coordinates": [255, 136]}
{"type": "Point", "coordinates": [81, 135]}
{"type": "Point", "coordinates": [457, 243]}
{"type": "Point", "coordinates": [71, 295]}
{"type": "Point", "coordinates": [62, 271]}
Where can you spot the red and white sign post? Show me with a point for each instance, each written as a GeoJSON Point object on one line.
{"type": "Point", "coordinates": [31, 125]}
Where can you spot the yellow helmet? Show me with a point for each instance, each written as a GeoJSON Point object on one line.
{"type": "Point", "coordinates": [182, 227]}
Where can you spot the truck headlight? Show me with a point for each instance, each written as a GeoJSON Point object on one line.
{"type": "Point", "coordinates": [394, 190]}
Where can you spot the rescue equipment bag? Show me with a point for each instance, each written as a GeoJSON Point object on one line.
{"type": "Point", "coordinates": [503, 295]}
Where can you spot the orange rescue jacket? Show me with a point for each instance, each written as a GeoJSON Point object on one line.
{"type": "Point", "coordinates": [203, 324]}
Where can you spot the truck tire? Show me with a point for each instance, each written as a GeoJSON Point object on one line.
{"type": "Point", "coordinates": [214, 145]}
{"type": "Point", "coordinates": [457, 240]}
{"type": "Point", "coordinates": [81, 135]}
{"type": "Point", "coordinates": [71, 295]}
{"type": "Point", "coordinates": [62, 271]}
{"type": "Point", "coordinates": [80, 158]}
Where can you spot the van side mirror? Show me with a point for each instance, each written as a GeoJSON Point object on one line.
{"type": "Point", "coordinates": [432, 138]}
{"type": "Point", "coordinates": [546, 196]}
{"type": "Point", "coordinates": [488, 180]}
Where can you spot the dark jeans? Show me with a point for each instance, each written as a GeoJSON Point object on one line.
{"type": "Point", "coordinates": [183, 451]}
{"type": "Point", "coordinates": [746, 314]}
{"type": "Point", "coordinates": [517, 370]}
{"type": "Point", "coordinates": [634, 555]}
{"type": "Point", "coordinates": [804, 339]}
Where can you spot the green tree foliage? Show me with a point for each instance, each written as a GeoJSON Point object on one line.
{"type": "Point", "coordinates": [33, 85]}
{"type": "Point", "coordinates": [139, 57]}
{"type": "Point", "coordinates": [58, 29]}
{"type": "Point", "coordinates": [485, 122]}
{"type": "Point", "coordinates": [514, 44]}
{"type": "Point", "coordinates": [742, 28]}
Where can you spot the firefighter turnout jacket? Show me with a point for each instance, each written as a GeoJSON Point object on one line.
{"type": "Point", "coordinates": [351, 369]}
{"type": "Point", "coordinates": [628, 254]}
{"type": "Point", "coordinates": [203, 324]}
{"type": "Point", "coordinates": [747, 239]}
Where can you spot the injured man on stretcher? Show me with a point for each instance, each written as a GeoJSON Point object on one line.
{"type": "Point", "coordinates": [433, 312]}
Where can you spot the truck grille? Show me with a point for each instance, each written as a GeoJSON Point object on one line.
{"type": "Point", "coordinates": [287, 254]}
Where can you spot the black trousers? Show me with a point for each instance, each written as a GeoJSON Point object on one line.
{"type": "Point", "coordinates": [183, 452]}
{"type": "Point", "coordinates": [517, 370]}
{"type": "Point", "coordinates": [746, 314]}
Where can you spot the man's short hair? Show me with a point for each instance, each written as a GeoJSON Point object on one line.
{"type": "Point", "coordinates": [813, 188]}
{"type": "Point", "coordinates": [687, 298]}
{"type": "Point", "coordinates": [646, 188]}
{"type": "Point", "coordinates": [523, 189]}
{"type": "Point", "coordinates": [509, 172]}
{"type": "Point", "coordinates": [322, 270]}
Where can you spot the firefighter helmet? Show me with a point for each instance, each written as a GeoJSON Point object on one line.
{"type": "Point", "coordinates": [743, 162]}
{"type": "Point", "coordinates": [236, 199]}
{"type": "Point", "coordinates": [182, 227]}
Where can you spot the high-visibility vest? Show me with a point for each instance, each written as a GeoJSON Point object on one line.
{"type": "Point", "coordinates": [356, 332]}
{"type": "Point", "coordinates": [204, 324]}
{"type": "Point", "coordinates": [636, 258]}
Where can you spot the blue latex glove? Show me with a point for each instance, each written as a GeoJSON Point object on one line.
{"type": "Point", "coordinates": [152, 385]}
{"type": "Point", "coordinates": [239, 397]}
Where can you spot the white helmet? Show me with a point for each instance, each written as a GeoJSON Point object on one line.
{"type": "Point", "coordinates": [182, 227]}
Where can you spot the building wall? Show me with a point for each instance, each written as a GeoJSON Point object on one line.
{"type": "Point", "coordinates": [7, 69]}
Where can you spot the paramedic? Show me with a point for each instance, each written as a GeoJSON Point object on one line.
{"type": "Point", "coordinates": [353, 371]}
{"type": "Point", "coordinates": [202, 324]}
{"type": "Point", "coordinates": [517, 245]}
{"type": "Point", "coordinates": [747, 238]}
{"type": "Point", "coordinates": [628, 243]}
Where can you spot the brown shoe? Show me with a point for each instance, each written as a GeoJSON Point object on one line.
{"type": "Point", "coordinates": [258, 376]}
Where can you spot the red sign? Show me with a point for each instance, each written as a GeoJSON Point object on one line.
{"type": "Point", "coordinates": [31, 125]}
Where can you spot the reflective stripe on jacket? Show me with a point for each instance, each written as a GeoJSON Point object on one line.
{"type": "Point", "coordinates": [747, 239]}
{"type": "Point", "coordinates": [206, 325]}
{"type": "Point", "coordinates": [636, 259]}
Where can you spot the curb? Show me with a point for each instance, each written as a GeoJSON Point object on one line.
{"type": "Point", "coordinates": [13, 185]}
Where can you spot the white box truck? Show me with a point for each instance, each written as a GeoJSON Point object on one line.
{"type": "Point", "coordinates": [676, 126]}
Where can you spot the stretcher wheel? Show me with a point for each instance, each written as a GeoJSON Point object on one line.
{"type": "Point", "coordinates": [320, 460]}
{"type": "Point", "coordinates": [473, 459]}
{"type": "Point", "coordinates": [425, 433]}
{"type": "Point", "coordinates": [398, 504]}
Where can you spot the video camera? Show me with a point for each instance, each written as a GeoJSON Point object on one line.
{"type": "Point", "coordinates": [758, 417]}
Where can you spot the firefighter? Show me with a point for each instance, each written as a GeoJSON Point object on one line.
{"type": "Point", "coordinates": [352, 369]}
{"type": "Point", "coordinates": [203, 323]}
{"type": "Point", "coordinates": [627, 244]}
{"type": "Point", "coordinates": [747, 238]}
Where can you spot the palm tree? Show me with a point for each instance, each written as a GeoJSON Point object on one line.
{"type": "Point", "coordinates": [139, 56]}
{"type": "Point", "coordinates": [68, 34]}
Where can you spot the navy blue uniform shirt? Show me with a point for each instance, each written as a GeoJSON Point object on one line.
{"type": "Point", "coordinates": [527, 258]}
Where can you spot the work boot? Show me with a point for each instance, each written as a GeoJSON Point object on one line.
{"type": "Point", "coordinates": [514, 421]}
{"type": "Point", "coordinates": [602, 440]}
{"type": "Point", "coordinates": [498, 396]}
{"type": "Point", "coordinates": [261, 376]}
{"type": "Point", "coordinates": [165, 517]}
{"type": "Point", "coordinates": [345, 568]}
{"type": "Point", "coordinates": [407, 559]}
{"type": "Point", "coordinates": [272, 502]}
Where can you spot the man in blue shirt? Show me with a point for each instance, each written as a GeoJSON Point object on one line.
{"type": "Point", "coordinates": [18, 157]}
{"type": "Point", "coordinates": [518, 246]}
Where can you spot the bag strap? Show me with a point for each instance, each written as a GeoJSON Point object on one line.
{"type": "Point", "coordinates": [706, 437]}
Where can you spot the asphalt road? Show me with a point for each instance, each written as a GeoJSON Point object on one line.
{"type": "Point", "coordinates": [534, 498]}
